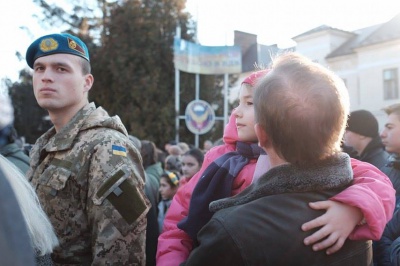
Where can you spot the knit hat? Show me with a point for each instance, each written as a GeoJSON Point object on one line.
{"type": "Point", "coordinates": [56, 44]}
{"type": "Point", "coordinates": [255, 76]}
{"type": "Point", "coordinates": [364, 123]}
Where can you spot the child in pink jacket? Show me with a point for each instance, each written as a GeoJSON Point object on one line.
{"type": "Point", "coordinates": [371, 193]}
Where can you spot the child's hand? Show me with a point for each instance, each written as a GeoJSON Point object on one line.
{"type": "Point", "coordinates": [336, 225]}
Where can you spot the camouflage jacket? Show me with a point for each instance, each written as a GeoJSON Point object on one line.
{"type": "Point", "coordinates": [90, 181]}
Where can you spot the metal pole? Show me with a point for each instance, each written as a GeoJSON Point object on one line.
{"type": "Point", "coordinates": [177, 99]}
{"type": "Point", "coordinates": [177, 89]}
{"type": "Point", "coordinates": [226, 80]}
{"type": "Point", "coordinates": [196, 139]}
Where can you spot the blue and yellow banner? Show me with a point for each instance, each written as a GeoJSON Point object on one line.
{"type": "Point", "coordinates": [210, 60]}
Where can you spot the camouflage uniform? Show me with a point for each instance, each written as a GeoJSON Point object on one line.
{"type": "Point", "coordinates": [90, 182]}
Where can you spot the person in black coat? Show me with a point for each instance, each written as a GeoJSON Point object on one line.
{"type": "Point", "coordinates": [388, 247]}
{"type": "Point", "coordinates": [362, 134]}
{"type": "Point", "coordinates": [391, 139]}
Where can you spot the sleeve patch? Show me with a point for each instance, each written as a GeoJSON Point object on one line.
{"type": "Point", "coordinates": [124, 196]}
{"type": "Point", "coordinates": [118, 150]}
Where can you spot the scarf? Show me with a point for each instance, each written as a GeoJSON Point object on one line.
{"type": "Point", "coordinates": [216, 183]}
{"type": "Point", "coordinates": [332, 173]}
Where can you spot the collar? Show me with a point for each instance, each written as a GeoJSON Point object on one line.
{"type": "Point", "coordinates": [332, 173]}
{"type": "Point", "coordinates": [62, 140]}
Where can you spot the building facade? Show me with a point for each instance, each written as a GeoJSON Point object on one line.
{"type": "Point", "coordinates": [368, 61]}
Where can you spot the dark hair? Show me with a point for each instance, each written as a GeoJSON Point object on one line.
{"type": "Point", "coordinates": [148, 152]}
{"type": "Point", "coordinates": [173, 163]}
{"type": "Point", "coordinates": [197, 154]}
{"type": "Point", "coordinates": [172, 178]}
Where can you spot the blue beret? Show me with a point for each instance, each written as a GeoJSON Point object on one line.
{"type": "Point", "coordinates": [56, 44]}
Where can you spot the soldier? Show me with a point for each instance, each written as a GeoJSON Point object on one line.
{"type": "Point", "coordinates": [87, 174]}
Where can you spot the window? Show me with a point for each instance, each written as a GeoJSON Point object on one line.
{"type": "Point", "coordinates": [390, 84]}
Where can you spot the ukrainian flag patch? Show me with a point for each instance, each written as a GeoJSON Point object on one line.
{"type": "Point", "coordinates": [118, 150]}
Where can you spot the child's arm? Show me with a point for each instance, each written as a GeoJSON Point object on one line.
{"type": "Point", "coordinates": [371, 193]}
{"type": "Point", "coordinates": [336, 225]}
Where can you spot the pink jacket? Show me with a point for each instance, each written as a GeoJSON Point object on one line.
{"type": "Point", "coordinates": [372, 192]}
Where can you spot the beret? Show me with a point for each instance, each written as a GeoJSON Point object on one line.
{"type": "Point", "coordinates": [63, 43]}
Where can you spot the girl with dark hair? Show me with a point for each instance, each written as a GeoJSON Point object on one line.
{"type": "Point", "coordinates": [192, 160]}
{"type": "Point", "coordinates": [169, 183]}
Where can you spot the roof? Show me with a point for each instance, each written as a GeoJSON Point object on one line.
{"type": "Point", "coordinates": [368, 36]}
{"type": "Point", "coordinates": [386, 32]}
{"type": "Point", "coordinates": [354, 42]}
{"type": "Point", "coordinates": [319, 29]}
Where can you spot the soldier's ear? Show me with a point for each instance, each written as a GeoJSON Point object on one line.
{"type": "Point", "coordinates": [89, 79]}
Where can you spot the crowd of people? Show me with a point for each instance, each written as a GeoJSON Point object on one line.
{"type": "Point", "coordinates": [297, 179]}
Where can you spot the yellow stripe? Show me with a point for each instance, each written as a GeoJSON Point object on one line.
{"type": "Point", "coordinates": [122, 153]}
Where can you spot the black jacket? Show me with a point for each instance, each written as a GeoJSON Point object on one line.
{"type": "Point", "coordinates": [262, 224]}
{"type": "Point", "coordinates": [374, 153]}
{"type": "Point", "coordinates": [392, 170]}
{"type": "Point", "coordinates": [388, 247]}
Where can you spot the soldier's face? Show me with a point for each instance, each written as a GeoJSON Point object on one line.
{"type": "Point", "coordinates": [59, 84]}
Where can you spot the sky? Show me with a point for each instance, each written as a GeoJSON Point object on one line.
{"type": "Point", "coordinates": [274, 22]}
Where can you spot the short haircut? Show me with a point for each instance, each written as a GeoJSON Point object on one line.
{"type": "Point", "coordinates": [393, 109]}
{"type": "Point", "coordinates": [303, 108]}
{"type": "Point", "coordinates": [86, 68]}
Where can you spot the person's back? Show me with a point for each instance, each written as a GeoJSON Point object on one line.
{"type": "Point", "coordinates": [15, 243]}
{"type": "Point", "coordinates": [15, 247]}
{"type": "Point", "coordinates": [16, 155]}
{"type": "Point", "coordinates": [270, 226]}
{"type": "Point", "coordinates": [40, 230]}
{"type": "Point", "coordinates": [301, 110]}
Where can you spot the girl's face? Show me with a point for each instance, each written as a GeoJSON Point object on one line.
{"type": "Point", "coordinates": [166, 190]}
{"type": "Point", "coordinates": [190, 166]}
{"type": "Point", "coordinates": [244, 114]}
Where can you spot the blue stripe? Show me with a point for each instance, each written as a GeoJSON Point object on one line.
{"type": "Point", "coordinates": [118, 148]}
